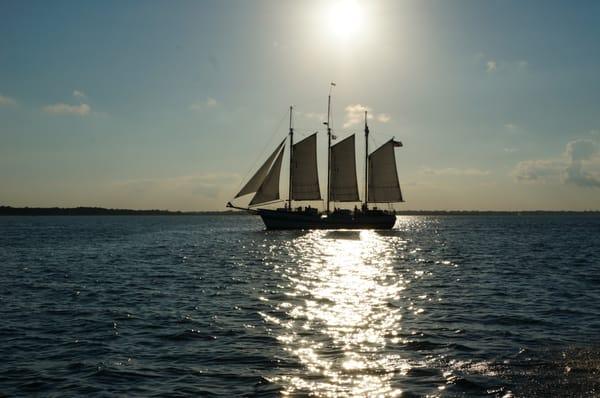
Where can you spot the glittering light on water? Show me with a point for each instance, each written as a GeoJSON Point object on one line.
{"type": "Point", "coordinates": [341, 318]}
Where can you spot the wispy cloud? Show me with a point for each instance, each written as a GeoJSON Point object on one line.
{"type": "Point", "coordinates": [79, 94]}
{"type": "Point", "coordinates": [7, 101]}
{"type": "Point", "coordinates": [355, 114]}
{"type": "Point", "coordinates": [383, 118]}
{"type": "Point", "coordinates": [511, 150]}
{"type": "Point", "coordinates": [451, 171]}
{"type": "Point", "coordinates": [541, 170]}
{"type": "Point", "coordinates": [66, 109]}
{"type": "Point", "coordinates": [578, 165]}
{"type": "Point", "coordinates": [511, 127]}
{"type": "Point", "coordinates": [209, 102]}
{"type": "Point", "coordinates": [492, 64]}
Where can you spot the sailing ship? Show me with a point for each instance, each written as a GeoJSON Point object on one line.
{"type": "Point", "coordinates": [380, 178]}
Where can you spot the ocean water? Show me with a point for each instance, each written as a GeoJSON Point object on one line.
{"type": "Point", "coordinates": [216, 306]}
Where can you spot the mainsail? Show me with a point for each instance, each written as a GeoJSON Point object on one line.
{"type": "Point", "coordinates": [305, 175]}
{"type": "Point", "coordinates": [343, 185]}
{"type": "Point", "coordinates": [259, 177]}
{"type": "Point", "coordinates": [381, 184]}
{"type": "Point", "coordinates": [269, 189]}
{"type": "Point", "coordinates": [383, 176]}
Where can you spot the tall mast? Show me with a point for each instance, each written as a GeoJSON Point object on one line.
{"type": "Point", "coordinates": [329, 144]}
{"type": "Point", "coordinates": [291, 159]}
{"type": "Point", "coordinates": [366, 162]}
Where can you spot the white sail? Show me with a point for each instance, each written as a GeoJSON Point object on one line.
{"type": "Point", "coordinates": [257, 179]}
{"type": "Point", "coordinates": [383, 176]}
{"type": "Point", "coordinates": [305, 175]}
{"type": "Point", "coordinates": [269, 189]}
{"type": "Point", "coordinates": [343, 185]}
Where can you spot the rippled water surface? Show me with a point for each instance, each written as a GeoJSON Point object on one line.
{"type": "Point", "coordinates": [216, 306]}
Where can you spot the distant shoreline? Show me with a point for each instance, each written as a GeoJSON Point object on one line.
{"type": "Point", "coordinates": [100, 211]}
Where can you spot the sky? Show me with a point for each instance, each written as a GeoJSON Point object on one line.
{"type": "Point", "coordinates": [173, 104]}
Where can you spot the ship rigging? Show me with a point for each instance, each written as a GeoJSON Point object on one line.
{"type": "Point", "coordinates": [381, 183]}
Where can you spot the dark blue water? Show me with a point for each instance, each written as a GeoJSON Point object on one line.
{"type": "Point", "coordinates": [216, 306]}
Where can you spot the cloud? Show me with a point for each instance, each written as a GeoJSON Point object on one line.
{"type": "Point", "coordinates": [511, 150]}
{"type": "Point", "coordinates": [66, 109]}
{"type": "Point", "coordinates": [584, 166]}
{"type": "Point", "coordinates": [514, 129]}
{"type": "Point", "coordinates": [209, 102]}
{"type": "Point", "coordinates": [577, 175]}
{"type": "Point", "coordinates": [450, 171]}
{"type": "Point", "coordinates": [579, 150]}
{"type": "Point", "coordinates": [7, 101]}
{"type": "Point", "coordinates": [312, 115]}
{"type": "Point", "coordinates": [537, 170]}
{"type": "Point", "coordinates": [578, 165]}
{"type": "Point", "coordinates": [492, 64]}
{"type": "Point", "coordinates": [383, 118]}
{"type": "Point", "coordinates": [79, 94]}
{"type": "Point", "coordinates": [355, 114]}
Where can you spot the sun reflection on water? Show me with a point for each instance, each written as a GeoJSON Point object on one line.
{"type": "Point", "coordinates": [340, 315]}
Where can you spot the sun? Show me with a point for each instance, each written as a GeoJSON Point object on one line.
{"type": "Point", "coordinates": [345, 18]}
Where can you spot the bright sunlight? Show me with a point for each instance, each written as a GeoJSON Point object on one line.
{"type": "Point", "coordinates": [345, 18]}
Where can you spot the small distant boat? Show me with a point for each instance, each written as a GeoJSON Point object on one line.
{"type": "Point", "coordinates": [380, 178]}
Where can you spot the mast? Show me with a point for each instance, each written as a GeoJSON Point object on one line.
{"type": "Point", "coordinates": [291, 159]}
{"type": "Point", "coordinates": [366, 163]}
{"type": "Point", "coordinates": [328, 123]}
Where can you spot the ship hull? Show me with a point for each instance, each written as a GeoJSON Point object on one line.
{"type": "Point", "coordinates": [279, 220]}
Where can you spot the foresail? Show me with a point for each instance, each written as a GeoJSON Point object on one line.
{"type": "Point", "coordinates": [257, 179]}
{"type": "Point", "coordinates": [305, 175]}
{"type": "Point", "coordinates": [343, 184]}
{"type": "Point", "coordinates": [383, 176]}
{"type": "Point", "coordinates": [269, 189]}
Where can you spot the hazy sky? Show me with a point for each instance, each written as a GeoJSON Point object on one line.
{"type": "Point", "coordinates": [170, 104]}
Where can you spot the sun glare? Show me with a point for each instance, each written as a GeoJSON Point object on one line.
{"type": "Point", "coordinates": [345, 18]}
